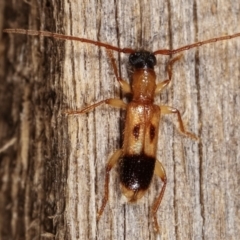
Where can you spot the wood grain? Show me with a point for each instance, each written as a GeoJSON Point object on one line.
{"type": "Point", "coordinates": [52, 172]}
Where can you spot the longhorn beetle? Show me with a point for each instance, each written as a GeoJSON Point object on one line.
{"type": "Point", "coordinates": [137, 157]}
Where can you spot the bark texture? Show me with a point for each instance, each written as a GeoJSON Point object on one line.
{"type": "Point", "coordinates": [52, 167]}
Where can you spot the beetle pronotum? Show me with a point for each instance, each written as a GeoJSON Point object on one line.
{"type": "Point", "coordinates": [137, 158]}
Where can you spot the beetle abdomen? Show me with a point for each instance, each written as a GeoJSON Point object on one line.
{"type": "Point", "coordinates": [136, 172]}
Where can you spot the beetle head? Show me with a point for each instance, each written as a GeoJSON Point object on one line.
{"type": "Point", "coordinates": [142, 59]}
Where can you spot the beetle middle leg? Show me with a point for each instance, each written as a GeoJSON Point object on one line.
{"type": "Point", "coordinates": [111, 163]}
{"type": "Point", "coordinates": [114, 102]}
{"type": "Point", "coordinates": [170, 110]}
{"type": "Point", "coordinates": [117, 103]}
{"type": "Point", "coordinates": [160, 172]}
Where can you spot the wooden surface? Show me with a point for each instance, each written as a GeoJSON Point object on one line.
{"type": "Point", "coordinates": [52, 166]}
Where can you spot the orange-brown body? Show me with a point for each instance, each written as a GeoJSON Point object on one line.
{"type": "Point", "coordinates": [142, 118]}
{"type": "Point", "coordinates": [139, 149]}
{"type": "Point", "coordinates": [136, 166]}
{"type": "Point", "coordinates": [141, 129]}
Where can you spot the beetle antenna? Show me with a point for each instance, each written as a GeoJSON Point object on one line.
{"type": "Point", "coordinates": [197, 44]}
{"type": "Point", "coordinates": [68, 37]}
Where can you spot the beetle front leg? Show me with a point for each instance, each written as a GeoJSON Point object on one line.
{"type": "Point", "coordinates": [160, 86]}
{"type": "Point", "coordinates": [160, 172]}
{"type": "Point", "coordinates": [124, 85]}
{"type": "Point", "coordinates": [111, 163]}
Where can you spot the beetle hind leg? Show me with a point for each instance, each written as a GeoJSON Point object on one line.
{"type": "Point", "coordinates": [111, 163]}
{"type": "Point", "coordinates": [160, 172]}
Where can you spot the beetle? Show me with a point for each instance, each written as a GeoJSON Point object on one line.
{"type": "Point", "coordinates": [137, 157]}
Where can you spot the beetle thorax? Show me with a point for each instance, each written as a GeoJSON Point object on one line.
{"type": "Point", "coordinates": [143, 85]}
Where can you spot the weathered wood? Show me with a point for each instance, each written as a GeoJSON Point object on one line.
{"type": "Point", "coordinates": [52, 170]}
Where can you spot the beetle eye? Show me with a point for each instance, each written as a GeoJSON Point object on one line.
{"type": "Point", "coordinates": [152, 60]}
{"type": "Point", "coordinates": [136, 59]}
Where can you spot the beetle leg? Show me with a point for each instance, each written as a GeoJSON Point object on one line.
{"type": "Point", "coordinates": [112, 161]}
{"type": "Point", "coordinates": [160, 86]}
{"type": "Point", "coordinates": [160, 172]}
{"type": "Point", "coordinates": [170, 110]}
{"type": "Point", "coordinates": [124, 85]}
{"type": "Point", "coordinates": [114, 102]}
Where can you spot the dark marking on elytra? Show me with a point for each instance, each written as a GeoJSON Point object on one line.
{"type": "Point", "coordinates": [152, 132]}
{"type": "Point", "coordinates": [136, 131]}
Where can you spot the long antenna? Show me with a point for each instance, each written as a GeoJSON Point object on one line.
{"type": "Point", "coordinates": [67, 37]}
{"type": "Point", "coordinates": [197, 44]}
{"type": "Point", "coordinates": [114, 48]}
